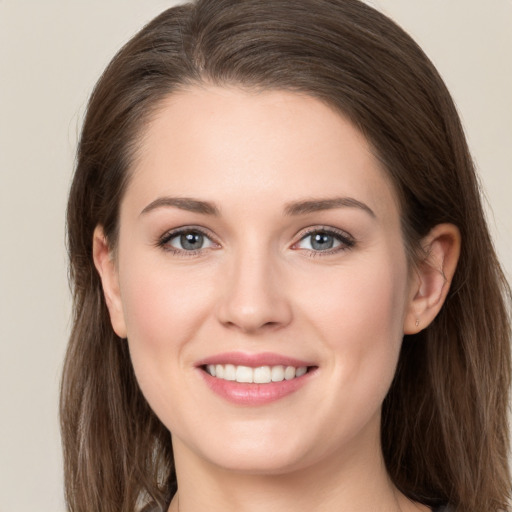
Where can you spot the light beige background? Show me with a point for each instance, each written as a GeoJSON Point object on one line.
{"type": "Point", "coordinates": [51, 53]}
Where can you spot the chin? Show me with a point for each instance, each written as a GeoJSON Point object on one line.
{"type": "Point", "coordinates": [260, 463]}
{"type": "Point", "coordinates": [257, 453]}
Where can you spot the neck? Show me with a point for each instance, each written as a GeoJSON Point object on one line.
{"type": "Point", "coordinates": [358, 484]}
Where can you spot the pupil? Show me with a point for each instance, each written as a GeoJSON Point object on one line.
{"type": "Point", "coordinates": [322, 241]}
{"type": "Point", "coordinates": [191, 241]}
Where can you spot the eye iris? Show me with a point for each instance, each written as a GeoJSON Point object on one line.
{"type": "Point", "coordinates": [322, 241]}
{"type": "Point", "coordinates": [191, 241]}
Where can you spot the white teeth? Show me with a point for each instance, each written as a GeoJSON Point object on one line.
{"type": "Point", "coordinates": [289, 373]}
{"type": "Point", "coordinates": [244, 374]}
{"type": "Point", "coordinates": [277, 373]}
{"type": "Point", "coordinates": [229, 372]}
{"type": "Point", "coordinates": [299, 372]}
{"type": "Point", "coordinates": [260, 375]}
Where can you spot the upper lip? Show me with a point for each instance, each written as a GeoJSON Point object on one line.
{"type": "Point", "coordinates": [254, 360]}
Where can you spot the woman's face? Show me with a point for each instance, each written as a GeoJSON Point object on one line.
{"type": "Point", "coordinates": [259, 231]}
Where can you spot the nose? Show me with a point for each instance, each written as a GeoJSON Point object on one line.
{"type": "Point", "coordinates": [254, 295]}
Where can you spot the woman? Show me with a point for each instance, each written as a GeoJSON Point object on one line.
{"type": "Point", "coordinates": [285, 290]}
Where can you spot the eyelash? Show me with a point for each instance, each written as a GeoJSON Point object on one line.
{"type": "Point", "coordinates": [346, 241]}
{"type": "Point", "coordinates": [163, 242]}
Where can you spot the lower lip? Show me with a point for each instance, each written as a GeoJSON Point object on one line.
{"type": "Point", "coordinates": [240, 393]}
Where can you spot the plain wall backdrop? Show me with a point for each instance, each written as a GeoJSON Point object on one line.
{"type": "Point", "coordinates": [51, 54]}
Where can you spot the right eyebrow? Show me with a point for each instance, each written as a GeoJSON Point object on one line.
{"type": "Point", "coordinates": [183, 203]}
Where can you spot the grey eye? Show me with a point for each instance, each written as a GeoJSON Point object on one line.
{"type": "Point", "coordinates": [322, 241]}
{"type": "Point", "coordinates": [189, 241]}
{"type": "Point", "coordinates": [319, 241]}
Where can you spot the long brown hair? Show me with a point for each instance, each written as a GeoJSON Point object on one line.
{"type": "Point", "coordinates": [444, 421]}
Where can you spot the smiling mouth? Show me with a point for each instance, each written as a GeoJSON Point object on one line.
{"type": "Point", "coordinates": [258, 375]}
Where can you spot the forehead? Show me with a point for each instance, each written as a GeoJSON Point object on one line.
{"type": "Point", "coordinates": [232, 144]}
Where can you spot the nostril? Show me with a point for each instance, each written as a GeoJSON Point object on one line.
{"type": "Point", "coordinates": [253, 302]}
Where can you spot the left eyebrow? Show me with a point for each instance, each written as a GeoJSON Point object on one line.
{"type": "Point", "coordinates": [316, 205]}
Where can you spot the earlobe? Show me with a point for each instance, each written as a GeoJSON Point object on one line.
{"type": "Point", "coordinates": [106, 267]}
{"type": "Point", "coordinates": [433, 276]}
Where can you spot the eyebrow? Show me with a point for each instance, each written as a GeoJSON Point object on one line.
{"type": "Point", "coordinates": [316, 205]}
{"type": "Point", "coordinates": [294, 208]}
{"type": "Point", "coordinates": [183, 203]}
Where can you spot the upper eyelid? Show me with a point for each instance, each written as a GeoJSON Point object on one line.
{"type": "Point", "coordinates": [304, 232]}
{"type": "Point", "coordinates": [163, 242]}
{"type": "Point", "coordinates": [171, 233]}
{"type": "Point", "coordinates": [345, 239]}
{"type": "Point", "coordinates": [324, 229]}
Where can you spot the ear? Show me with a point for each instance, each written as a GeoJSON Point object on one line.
{"type": "Point", "coordinates": [106, 267]}
{"type": "Point", "coordinates": [432, 276]}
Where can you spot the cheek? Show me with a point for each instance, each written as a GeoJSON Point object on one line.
{"type": "Point", "coordinates": [359, 319]}
{"type": "Point", "coordinates": [164, 308]}
{"type": "Point", "coordinates": [161, 305]}
{"type": "Point", "coordinates": [359, 315]}
{"type": "Point", "coordinates": [360, 298]}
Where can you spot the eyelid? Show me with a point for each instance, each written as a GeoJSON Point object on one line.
{"type": "Point", "coordinates": [347, 241]}
{"type": "Point", "coordinates": [164, 239]}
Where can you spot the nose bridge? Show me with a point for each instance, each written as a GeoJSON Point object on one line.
{"type": "Point", "coordinates": [254, 295]}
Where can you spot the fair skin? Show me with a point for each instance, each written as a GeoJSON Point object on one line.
{"type": "Point", "coordinates": [259, 230]}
